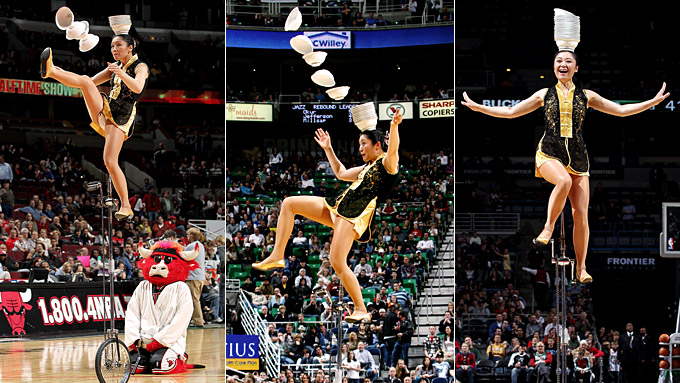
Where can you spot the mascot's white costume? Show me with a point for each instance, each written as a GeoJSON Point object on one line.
{"type": "Point", "coordinates": [160, 309]}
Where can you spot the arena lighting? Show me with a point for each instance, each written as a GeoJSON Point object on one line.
{"type": "Point", "coordinates": [507, 70]}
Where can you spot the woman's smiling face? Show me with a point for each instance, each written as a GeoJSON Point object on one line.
{"type": "Point", "coordinates": [565, 66]}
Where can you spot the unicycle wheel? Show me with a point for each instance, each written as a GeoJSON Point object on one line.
{"type": "Point", "coordinates": [112, 362]}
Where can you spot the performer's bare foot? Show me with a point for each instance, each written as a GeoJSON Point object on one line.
{"type": "Point", "coordinates": [270, 263]}
{"type": "Point", "coordinates": [124, 213]}
{"type": "Point", "coordinates": [358, 317]}
{"type": "Point", "coordinates": [544, 238]}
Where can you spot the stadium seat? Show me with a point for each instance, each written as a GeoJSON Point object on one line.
{"type": "Point", "coordinates": [485, 371]}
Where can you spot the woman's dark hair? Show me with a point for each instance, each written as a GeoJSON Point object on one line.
{"type": "Point", "coordinates": [572, 53]}
{"type": "Point", "coordinates": [376, 136]}
{"type": "Point", "coordinates": [130, 41]}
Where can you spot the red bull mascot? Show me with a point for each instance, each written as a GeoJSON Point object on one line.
{"type": "Point", "coordinates": [160, 309]}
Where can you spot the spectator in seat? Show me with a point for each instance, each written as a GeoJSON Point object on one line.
{"type": "Point", "coordinates": [582, 368]}
{"type": "Point", "coordinates": [425, 372]}
{"type": "Point", "coordinates": [300, 240]}
{"type": "Point", "coordinates": [465, 365]}
{"type": "Point", "coordinates": [402, 295]}
{"type": "Point", "coordinates": [276, 299]}
{"type": "Point", "coordinates": [520, 364]}
{"type": "Point", "coordinates": [446, 322]}
{"type": "Point", "coordinates": [441, 367]}
{"type": "Point", "coordinates": [433, 344]}
{"type": "Point", "coordinates": [256, 239]}
{"type": "Point", "coordinates": [426, 245]}
{"type": "Point", "coordinates": [159, 228]}
{"type": "Point", "coordinates": [496, 350]}
{"type": "Point", "coordinates": [365, 358]}
{"type": "Point", "coordinates": [541, 361]}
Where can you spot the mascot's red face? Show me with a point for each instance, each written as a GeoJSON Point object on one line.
{"type": "Point", "coordinates": [167, 262]}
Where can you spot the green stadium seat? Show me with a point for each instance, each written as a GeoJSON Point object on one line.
{"type": "Point", "coordinates": [368, 293]}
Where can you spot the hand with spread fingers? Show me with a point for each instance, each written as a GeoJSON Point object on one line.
{"type": "Point", "coordinates": [323, 139]}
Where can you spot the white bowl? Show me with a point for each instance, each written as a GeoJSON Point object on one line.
{"type": "Point", "coordinates": [367, 124]}
{"type": "Point", "coordinates": [338, 93]}
{"type": "Point", "coordinates": [78, 30]}
{"type": "Point", "coordinates": [302, 44]}
{"type": "Point", "coordinates": [294, 20]}
{"type": "Point", "coordinates": [89, 42]}
{"type": "Point", "coordinates": [121, 29]}
{"type": "Point", "coordinates": [64, 18]}
{"type": "Point", "coordinates": [315, 58]}
{"type": "Point", "coordinates": [324, 78]}
{"type": "Point", "coordinates": [120, 19]}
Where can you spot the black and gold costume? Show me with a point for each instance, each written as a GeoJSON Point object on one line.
{"type": "Point", "coordinates": [358, 202]}
{"type": "Point", "coordinates": [563, 136]}
{"type": "Point", "coordinates": [120, 105]}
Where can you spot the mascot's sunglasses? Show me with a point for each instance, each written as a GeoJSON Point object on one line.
{"type": "Point", "coordinates": [166, 258]}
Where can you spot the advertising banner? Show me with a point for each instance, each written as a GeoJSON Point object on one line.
{"type": "Point", "coordinates": [243, 352]}
{"type": "Point", "coordinates": [330, 40]}
{"type": "Point", "coordinates": [387, 110]}
{"type": "Point", "coordinates": [437, 108]}
{"type": "Point", "coordinates": [249, 112]}
{"type": "Point", "coordinates": [59, 307]}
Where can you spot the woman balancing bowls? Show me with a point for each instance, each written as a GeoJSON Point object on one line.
{"type": "Point", "coordinates": [113, 115]}
{"type": "Point", "coordinates": [561, 156]}
{"type": "Point", "coordinates": [350, 214]}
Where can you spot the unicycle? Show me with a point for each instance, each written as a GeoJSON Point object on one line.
{"type": "Point", "coordinates": [112, 361]}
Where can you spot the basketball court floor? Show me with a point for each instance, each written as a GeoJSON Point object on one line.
{"type": "Point", "coordinates": [52, 360]}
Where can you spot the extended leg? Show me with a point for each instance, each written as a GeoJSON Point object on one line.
{"type": "Point", "coordinates": [579, 195]}
{"type": "Point", "coordinates": [307, 206]}
{"type": "Point", "coordinates": [340, 247]}
{"type": "Point", "coordinates": [114, 142]}
{"type": "Point", "coordinates": [93, 99]}
{"type": "Point", "coordinates": [555, 173]}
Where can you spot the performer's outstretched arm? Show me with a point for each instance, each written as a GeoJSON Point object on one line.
{"type": "Point", "coordinates": [600, 103]}
{"type": "Point", "coordinates": [526, 106]}
{"type": "Point", "coordinates": [392, 158]}
{"type": "Point", "coordinates": [324, 140]}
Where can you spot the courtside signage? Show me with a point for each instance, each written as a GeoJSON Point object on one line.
{"type": "Point", "coordinates": [249, 112]}
{"type": "Point", "coordinates": [243, 352]}
{"type": "Point", "coordinates": [387, 110]}
{"type": "Point", "coordinates": [437, 108]}
{"type": "Point", "coordinates": [330, 40]}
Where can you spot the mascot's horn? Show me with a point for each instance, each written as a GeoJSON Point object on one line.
{"type": "Point", "coordinates": [144, 252]}
{"type": "Point", "coordinates": [190, 255]}
{"type": "Point", "coordinates": [26, 295]}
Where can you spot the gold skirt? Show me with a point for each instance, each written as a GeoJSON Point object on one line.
{"type": "Point", "coordinates": [542, 158]}
{"type": "Point", "coordinates": [105, 114]}
{"type": "Point", "coordinates": [361, 223]}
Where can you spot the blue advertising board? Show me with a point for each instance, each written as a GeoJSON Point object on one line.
{"type": "Point", "coordinates": [243, 352]}
{"type": "Point", "coordinates": [386, 38]}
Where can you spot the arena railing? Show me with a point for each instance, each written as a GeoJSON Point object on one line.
{"type": "Point", "coordinates": [390, 7]}
{"type": "Point", "coordinates": [487, 223]}
{"type": "Point", "coordinates": [253, 324]}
